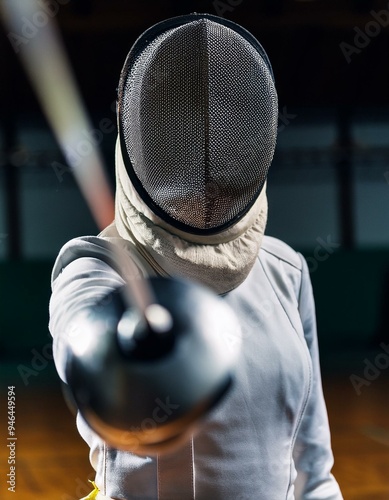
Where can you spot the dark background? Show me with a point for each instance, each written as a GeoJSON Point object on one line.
{"type": "Point", "coordinates": [329, 181]}
{"type": "Point", "coordinates": [328, 195]}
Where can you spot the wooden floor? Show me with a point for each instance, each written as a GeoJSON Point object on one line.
{"type": "Point", "coordinates": [52, 460]}
{"type": "Point", "coordinates": [360, 436]}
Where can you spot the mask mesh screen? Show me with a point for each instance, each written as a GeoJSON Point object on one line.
{"type": "Point", "coordinates": [198, 116]}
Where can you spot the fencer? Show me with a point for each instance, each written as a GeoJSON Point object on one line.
{"type": "Point", "coordinates": [197, 127]}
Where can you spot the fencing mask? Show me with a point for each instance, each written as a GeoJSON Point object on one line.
{"type": "Point", "coordinates": [197, 118]}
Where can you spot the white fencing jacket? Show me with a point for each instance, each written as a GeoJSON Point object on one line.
{"type": "Point", "coordinates": [269, 437]}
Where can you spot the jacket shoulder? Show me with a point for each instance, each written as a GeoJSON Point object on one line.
{"type": "Point", "coordinates": [285, 269]}
{"type": "Point", "coordinates": [282, 251]}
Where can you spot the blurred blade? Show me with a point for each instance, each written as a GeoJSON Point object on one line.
{"type": "Point", "coordinates": [45, 61]}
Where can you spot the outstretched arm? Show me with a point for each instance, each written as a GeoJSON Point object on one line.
{"type": "Point", "coordinates": [119, 363]}
{"type": "Point", "coordinates": [82, 276]}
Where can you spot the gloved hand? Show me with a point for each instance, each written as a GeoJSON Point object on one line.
{"type": "Point", "coordinates": [141, 385]}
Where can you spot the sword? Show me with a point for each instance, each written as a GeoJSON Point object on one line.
{"type": "Point", "coordinates": [46, 63]}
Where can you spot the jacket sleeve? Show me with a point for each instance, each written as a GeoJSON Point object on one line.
{"type": "Point", "coordinates": [312, 451]}
{"type": "Point", "coordinates": [83, 274]}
